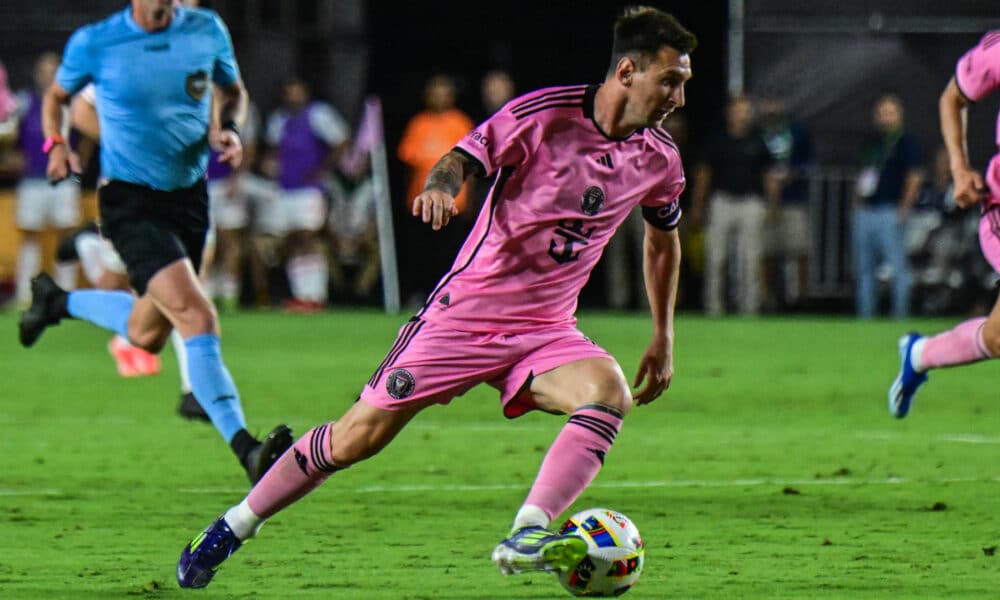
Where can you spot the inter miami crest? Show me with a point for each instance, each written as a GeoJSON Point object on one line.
{"type": "Point", "coordinates": [593, 201]}
{"type": "Point", "coordinates": [196, 85]}
{"type": "Point", "coordinates": [400, 384]}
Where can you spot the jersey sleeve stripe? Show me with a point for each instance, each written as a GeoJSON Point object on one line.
{"type": "Point", "coordinates": [960, 90]}
{"type": "Point", "coordinates": [555, 104]}
{"type": "Point", "coordinates": [549, 94]}
{"type": "Point", "coordinates": [665, 138]}
{"type": "Point", "coordinates": [552, 98]}
{"type": "Point", "coordinates": [990, 40]}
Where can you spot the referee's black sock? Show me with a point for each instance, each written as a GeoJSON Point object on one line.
{"type": "Point", "coordinates": [242, 443]}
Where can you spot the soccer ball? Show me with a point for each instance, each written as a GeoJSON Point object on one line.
{"type": "Point", "coordinates": [615, 556]}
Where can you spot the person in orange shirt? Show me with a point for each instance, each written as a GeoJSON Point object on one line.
{"type": "Point", "coordinates": [429, 135]}
{"type": "Point", "coordinates": [432, 133]}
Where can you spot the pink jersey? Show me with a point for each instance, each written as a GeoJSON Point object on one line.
{"type": "Point", "coordinates": [977, 74]}
{"type": "Point", "coordinates": [562, 189]}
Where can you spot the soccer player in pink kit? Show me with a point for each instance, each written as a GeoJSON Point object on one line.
{"type": "Point", "coordinates": [572, 163]}
{"type": "Point", "coordinates": [976, 75]}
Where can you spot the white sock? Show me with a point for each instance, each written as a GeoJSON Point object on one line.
{"type": "Point", "coordinates": [530, 515]}
{"type": "Point", "coordinates": [29, 260]}
{"type": "Point", "coordinates": [317, 278]}
{"type": "Point", "coordinates": [88, 248]}
{"type": "Point", "coordinates": [182, 360]}
{"type": "Point", "coordinates": [229, 287]}
{"type": "Point", "coordinates": [244, 523]}
{"type": "Point", "coordinates": [308, 277]}
{"type": "Point", "coordinates": [65, 275]}
{"type": "Point", "coordinates": [915, 352]}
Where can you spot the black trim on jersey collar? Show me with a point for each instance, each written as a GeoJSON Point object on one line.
{"type": "Point", "coordinates": [588, 112]}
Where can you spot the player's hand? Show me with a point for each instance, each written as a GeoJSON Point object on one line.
{"type": "Point", "coordinates": [435, 207]}
{"type": "Point", "coordinates": [656, 369]}
{"type": "Point", "coordinates": [969, 187]}
{"type": "Point", "coordinates": [229, 146]}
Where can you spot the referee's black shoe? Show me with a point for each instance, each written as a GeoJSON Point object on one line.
{"type": "Point", "coordinates": [190, 409]}
{"type": "Point", "coordinates": [48, 307]}
{"type": "Point", "coordinates": [270, 449]}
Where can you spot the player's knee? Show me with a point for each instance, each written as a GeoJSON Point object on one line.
{"type": "Point", "coordinates": [196, 318]}
{"type": "Point", "coordinates": [151, 340]}
{"type": "Point", "coordinates": [991, 338]}
{"type": "Point", "coordinates": [613, 392]}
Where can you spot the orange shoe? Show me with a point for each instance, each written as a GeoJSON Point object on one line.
{"type": "Point", "coordinates": [121, 351]}
{"type": "Point", "coordinates": [132, 361]}
{"type": "Point", "coordinates": [145, 362]}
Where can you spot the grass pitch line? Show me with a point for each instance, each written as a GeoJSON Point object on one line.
{"type": "Point", "coordinates": [492, 487]}
{"type": "Point", "coordinates": [960, 438]}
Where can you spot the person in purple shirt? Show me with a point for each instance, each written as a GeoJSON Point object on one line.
{"type": "Point", "coordinates": [39, 204]}
{"type": "Point", "coordinates": [308, 137]}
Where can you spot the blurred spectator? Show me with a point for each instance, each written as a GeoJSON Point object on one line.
{"type": "Point", "coordinates": [431, 133]}
{"type": "Point", "coordinates": [730, 179]}
{"type": "Point", "coordinates": [788, 232]}
{"type": "Point", "coordinates": [39, 203]}
{"type": "Point", "coordinates": [622, 262]}
{"type": "Point", "coordinates": [887, 188]}
{"type": "Point", "coordinates": [496, 89]}
{"type": "Point", "coordinates": [950, 274]}
{"type": "Point", "coordinates": [230, 194]}
{"type": "Point", "coordinates": [354, 268]}
{"type": "Point", "coordinates": [308, 136]}
{"type": "Point", "coordinates": [8, 111]}
{"type": "Point", "coordinates": [428, 136]}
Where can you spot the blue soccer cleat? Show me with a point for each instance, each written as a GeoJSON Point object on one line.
{"type": "Point", "coordinates": [538, 549]}
{"type": "Point", "coordinates": [907, 381]}
{"type": "Point", "coordinates": [205, 553]}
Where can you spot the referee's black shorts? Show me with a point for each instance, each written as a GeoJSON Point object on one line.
{"type": "Point", "coordinates": [151, 229]}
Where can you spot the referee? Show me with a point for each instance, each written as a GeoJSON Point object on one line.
{"type": "Point", "coordinates": [156, 68]}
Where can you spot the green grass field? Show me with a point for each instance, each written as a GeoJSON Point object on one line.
{"type": "Point", "coordinates": [771, 469]}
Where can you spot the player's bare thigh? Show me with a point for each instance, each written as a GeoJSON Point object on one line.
{"type": "Point", "coordinates": [173, 298]}
{"type": "Point", "coordinates": [595, 380]}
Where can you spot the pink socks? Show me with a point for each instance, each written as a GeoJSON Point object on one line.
{"type": "Point", "coordinates": [299, 471]}
{"type": "Point", "coordinates": [574, 459]}
{"type": "Point", "coordinates": [960, 345]}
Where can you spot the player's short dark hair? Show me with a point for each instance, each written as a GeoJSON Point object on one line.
{"type": "Point", "coordinates": [641, 31]}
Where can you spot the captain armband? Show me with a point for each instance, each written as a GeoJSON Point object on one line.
{"type": "Point", "coordinates": [662, 217]}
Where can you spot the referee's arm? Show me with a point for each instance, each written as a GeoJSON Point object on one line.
{"type": "Point", "coordinates": [52, 126]}
{"type": "Point", "coordinates": [229, 111]}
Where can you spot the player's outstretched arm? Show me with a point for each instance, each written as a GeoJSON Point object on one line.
{"type": "Point", "coordinates": [969, 186]}
{"type": "Point", "coordinates": [661, 268]}
{"type": "Point", "coordinates": [436, 204]}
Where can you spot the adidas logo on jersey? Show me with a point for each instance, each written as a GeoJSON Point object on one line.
{"type": "Point", "coordinates": [606, 161]}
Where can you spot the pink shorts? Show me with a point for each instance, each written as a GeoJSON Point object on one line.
{"type": "Point", "coordinates": [432, 364]}
{"type": "Point", "coordinates": [989, 236]}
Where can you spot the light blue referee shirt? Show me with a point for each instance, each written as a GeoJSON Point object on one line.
{"type": "Point", "coordinates": [153, 92]}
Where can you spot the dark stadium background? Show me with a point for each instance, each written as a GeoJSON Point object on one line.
{"type": "Point", "coordinates": [830, 60]}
